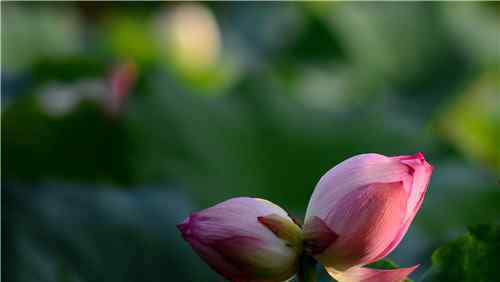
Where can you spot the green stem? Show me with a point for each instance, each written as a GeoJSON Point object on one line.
{"type": "Point", "coordinates": [307, 269]}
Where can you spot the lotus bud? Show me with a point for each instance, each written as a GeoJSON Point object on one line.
{"type": "Point", "coordinates": [122, 81]}
{"type": "Point", "coordinates": [359, 212]}
{"type": "Point", "coordinates": [245, 239]}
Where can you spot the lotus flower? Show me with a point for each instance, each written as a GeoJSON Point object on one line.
{"type": "Point", "coordinates": [359, 212]}
{"type": "Point", "coordinates": [245, 239]}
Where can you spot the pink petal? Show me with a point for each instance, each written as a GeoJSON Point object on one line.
{"type": "Point", "coordinates": [362, 274]}
{"type": "Point", "coordinates": [317, 236]}
{"type": "Point", "coordinates": [366, 220]}
{"type": "Point", "coordinates": [253, 259]}
{"type": "Point", "coordinates": [235, 217]}
{"type": "Point", "coordinates": [421, 178]}
{"type": "Point", "coordinates": [355, 172]}
{"type": "Point", "coordinates": [213, 258]}
{"type": "Point", "coordinates": [422, 172]}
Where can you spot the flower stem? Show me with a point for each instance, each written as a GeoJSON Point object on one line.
{"type": "Point", "coordinates": [307, 269]}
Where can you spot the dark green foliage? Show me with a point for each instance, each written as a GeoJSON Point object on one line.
{"type": "Point", "coordinates": [85, 145]}
{"type": "Point", "coordinates": [68, 69]}
{"type": "Point", "coordinates": [473, 257]}
{"type": "Point", "coordinates": [62, 233]}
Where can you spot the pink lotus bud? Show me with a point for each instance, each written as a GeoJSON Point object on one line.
{"type": "Point", "coordinates": [359, 212]}
{"type": "Point", "coordinates": [245, 239]}
{"type": "Point", "coordinates": [122, 81]}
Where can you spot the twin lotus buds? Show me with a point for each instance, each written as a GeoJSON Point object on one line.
{"type": "Point", "coordinates": [358, 213]}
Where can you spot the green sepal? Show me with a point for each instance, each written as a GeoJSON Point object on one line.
{"type": "Point", "coordinates": [284, 228]}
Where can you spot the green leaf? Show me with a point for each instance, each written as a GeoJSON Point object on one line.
{"type": "Point", "coordinates": [472, 257]}
{"type": "Point", "coordinates": [386, 264]}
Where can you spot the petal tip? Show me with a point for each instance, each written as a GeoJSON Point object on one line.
{"type": "Point", "coordinates": [420, 156]}
{"type": "Point", "coordinates": [185, 227]}
{"type": "Point", "coordinates": [417, 159]}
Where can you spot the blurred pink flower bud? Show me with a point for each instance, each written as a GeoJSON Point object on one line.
{"type": "Point", "coordinates": [122, 80]}
{"type": "Point", "coordinates": [245, 239]}
{"type": "Point", "coordinates": [359, 212]}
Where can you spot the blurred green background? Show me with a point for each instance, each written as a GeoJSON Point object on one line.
{"type": "Point", "coordinates": [119, 119]}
